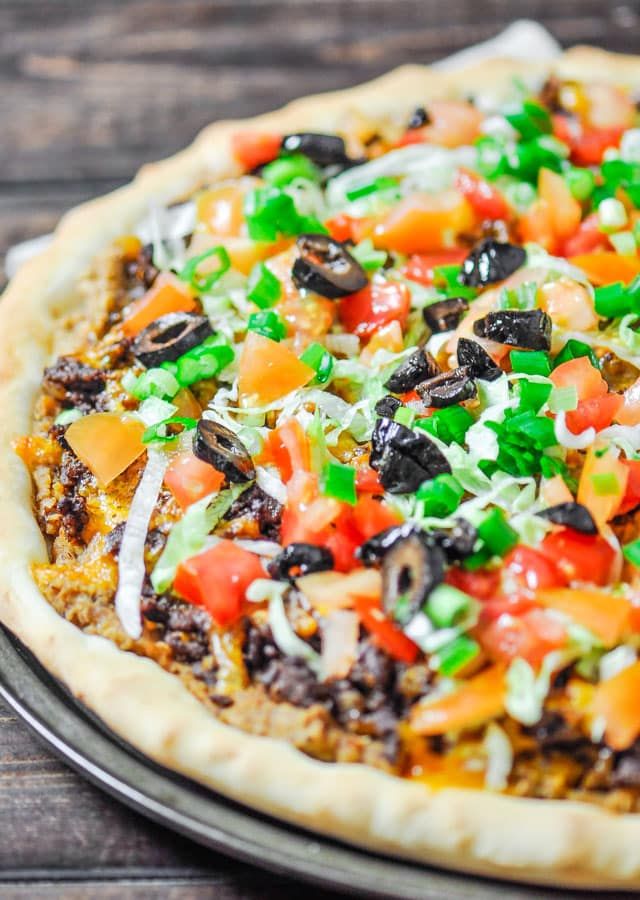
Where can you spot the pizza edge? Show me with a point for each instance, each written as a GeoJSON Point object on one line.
{"type": "Point", "coordinates": [557, 842]}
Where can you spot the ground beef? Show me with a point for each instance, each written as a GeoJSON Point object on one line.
{"type": "Point", "coordinates": [626, 770]}
{"type": "Point", "coordinates": [75, 384]}
{"type": "Point", "coordinates": [72, 506]}
{"type": "Point", "coordinates": [183, 627]}
{"type": "Point", "coordinates": [141, 272]}
{"type": "Point", "coordinates": [258, 511]}
{"type": "Point", "coordinates": [553, 731]}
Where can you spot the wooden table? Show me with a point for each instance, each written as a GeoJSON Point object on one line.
{"type": "Point", "coordinates": [88, 92]}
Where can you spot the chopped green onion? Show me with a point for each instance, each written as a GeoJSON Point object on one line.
{"type": "Point", "coordinates": [319, 358]}
{"type": "Point", "coordinates": [205, 282]}
{"type": "Point", "coordinates": [285, 169]}
{"type": "Point", "coordinates": [574, 349]}
{"type": "Point", "coordinates": [263, 287]}
{"type": "Point", "coordinates": [613, 300]}
{"type": "Point", "coordinates": [367, 255]}
{"type": "Point", "coordinates": [631, 552]}
{"type": "Point", "coordinates": [440, 496]}
{"type": "Point", "coordinates": [522, 297]}
{"type": "Point", "coordinates": [158, 433]}
{"type": "Point", "coordinates": [533, 396]}
{"type": "Point", "coordinates": [530, 121]}
{"type": "Point", "coordinates": [453, 657]}
{"type": "Point", "coordinates": [491, 157]}
{"type": "Point", "coordinates": [380, 184]}
{"type": "Point", "coordinates": [405, 416]}
{"type": "Point", "coordinates": [270, 212]}
{"type": "Point", "coordinates": [581, 182]}
{"type": "Point", "coordinates": [478, 559]}
{"type": "Point", "coordinates": [67, 416]}
{"type": "Point", "coordinates": [497, 534]}
{"type": "Point", "coordinates": [205, 361]}
{"type": "Point", "coordinates": [611, 215]}
{"type": "Point", "coordinates": [449, 425]}
{"type": "Point", "coordinates": [268, 323]}
{"type": "Point", "coordinates": [624, 243]}
{"type": "Point", "coordinates": [531, 362]}
{"type": "Point", "coordinates": [446, 279]}
{"type": "Point", "coordinates": [605, 484]}
{"type": "Point", "coordinates": [152, 383]}
{"type": "Point", "coordinates": [447, 605]}
{"type": "Point", "coordinates": [520, 194]}
{"type": "Point", "coordinates": [563, 399]}
{"type": "Point", "coordinates": [339, 481]}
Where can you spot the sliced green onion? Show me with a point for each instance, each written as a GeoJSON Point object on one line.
{"type": "Point", "coordinates": [201, 363]}
{"type": "Point", "coordinates": [605, 484]}
{"type": "Point", "coordinates": [440, 496]}
{"type": "Point", "coordinates": [624, 243]}
{"type": "Point", "coordinates": [380, 184]}
{"type": "Point", "coordinates": [367, 255]}
{"type": "Point", "coordinates": [611, 215]}
{"type": "Point", "coordinates": [405, 416]}
{"type": "Point", "coordinates": [531, 362]}
{"type": "Point", "coordinates": [453, 657]}
{"type": "Point", "coordinates": [447, 605]}
{"type": "Point", "coordinates": [574, 349]}
{"type": "Point", "coordinates": [522, 297]}
{"type": "Point", "coordinates": [447, 280]}
{"type": "Point", "coordinates": [631, 552]}
{"type": "Point", "coordinates": [67, 416]}
{"type": "Point", "coordinates": [205, 282]}
{"type": "Point", "coordinates": [152, 383]}
{"type": "Point", "coordinates": [477, 560]}
{"type": "Point", "coordinates": [497, 534]}
{"type": "Point", "coordinates": [530, 121]}
{"type": "Point", "coordinates": [263, 288]}
{"type": "Point", "coordinates": [612, 300]}
{"type": "Point", "coordinates": [159, 432]}
{"type": "Point", "coordinates": [581, 182]}
{"type": "Point", "coordinates": [563, 399]}
{"type": "Point", "coordinates": [285, 169]}
{"type": "Point", "coordinates": [533, 396]}
{"type": "Point", "coordinates": [449, 425]}
{"type": "Point", "coordinates": [268, 323]}
{"type": "Point", "coordinates": [319, 358]}
{"type": "Point", "coordinates": [270, 212]}
{"type": "Point", "coordinates": [339, 481]}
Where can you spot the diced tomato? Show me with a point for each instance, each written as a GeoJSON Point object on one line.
{"type": "Point", "coordinates": [385, 633]}
{"type": "Point", "coordinates": [603, 613]}
{"type": "Point", "coordinates": [579, 557]}
{"type": "Point", "coordinates": [425, 223]}
{"type": "Point", "coordinates": [483, 584]}
{"type": "Point", "coordinates": [106, 442]}
{"type": "Point", "coordinates": [564, 209]}
{"type": "Point", "coordinates": [586, 239]}
{"type": "Point", "coordinates": [218, 580]}
{"type": "Point", "coordinates": [616, 701]}
{"type": "Point", "coordinates": [221, 209]}
{"type": "Point", "coordinates": [580, 374]}
{"type": "Point", "coordinates": [168, 294]}
{"type": "Point", "coordinates": [452, 123]}
{"type": "Point", "coordinates": [631, 497]}
{"type": "Point", "coordinates": [253, 148]}
{"type": "Point", "coordinates": [629, 412]}
{"type": "Point", "coordinates": [477, 700]}
{"type": "Point", "coordinates": [486, 200]}
{"type": "Point", "coordinates": [377, 304]}
{"type": "Point", "coordinates": [190, 479]}
{"type": "Point", "coordinates": [268, 370]}
{"type": "Point", "coordinates": [419, 267]}
{"type": "Point", "coordinates": [368, 480]}
{"type": "Point", "coordinates": [373, 516]}
{"type": "Point", "coordinates": [287, 447]}
{"type": "Point", "coordinates": [531, 569]}
{"type": "Point", "coordinates": [535, 226]}
{"type": "Point", "coordinates": [598, 412]}
{"type": "Point", "coordinates": [589, 148]}
{"type": "Point", "coordinates": [603, 505]}
{"type": "Point", "coordinates": [349, 228]}
{"type": "Point", "coordinates": [529, 636]}
{"type": "Point", "coordinates": [607, 267]}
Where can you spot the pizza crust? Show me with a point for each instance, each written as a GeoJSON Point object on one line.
{"type": "Point", "coordinates": [555, 842]}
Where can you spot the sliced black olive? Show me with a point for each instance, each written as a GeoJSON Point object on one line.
{"type": "Point", "coordinates": [322, 149]}
{"type": "Point", "coordinates": [372, 551]}
{"type": "Point", "coordinates": [491, 261]}
{"type": "Point", "coordinates": [447, 388]}
{"type": "Point", "coordinates": [410, 571]}
{"type": "Point", "coordinates": [326, 267]}
{"type": "Point", "coordinates": [459, 542]}
{"type": "Point", "coordinates": [572, 514]}
{"type": "Point", "coordinates": [476, 359]}
{"type": "Point", "coordinates": [388, 406]}
{"type": "Point", "coordinates": [415, 368]}
{"type": "Point", "coordinates": [419, 118]}
{"type": "Point", "coordinates": [169, 337]}
{"type": "Point", "coordinates": [445, 314]}
{"type": "Point", "coordinates": [404, 459]}
{"type": "Point", "coordinates": [530, 328]}
{"type": "Point", "coordinates": [222, 449]}
{"type": "Point", "coordinates": [300, 559]}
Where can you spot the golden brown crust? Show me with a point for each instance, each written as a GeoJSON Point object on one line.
{"type": "Point", "coordinates": [542, 841]}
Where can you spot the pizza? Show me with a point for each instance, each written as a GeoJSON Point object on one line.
{"type": "Point", "coordinates": [321, 469]}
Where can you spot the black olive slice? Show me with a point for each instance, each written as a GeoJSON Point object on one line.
{"type": "Point", "coordinates": [388, 406]}
{"type": "Point", "coordinates": [326, 267]}
{"type": "Point", "coordinates": [322, 149]}
{"type": "Point", "coordinates": [459, 542]}
{"type": "Point", "coordinates": [491, 261]}
{"type": "Point", "coordinates": [447, 388]}
{"type": "Point", "coordinates": [445, 314]}
{"type": "Point", "coordinates": [572, 514]}
{"type": "Point", "coordinates": [372, 551]}
{"type": "Point", "coordinates": [529, 328]}
{"type": "Point", "coordinates": [404, 459]}
{"type": "Point", "coordinates": [419, 118]}
{"type": "Point", "coordinates": [300, 559]}
{"type": "Point", "coordinates": [169, 337]}
{"type": "Point", "coordinates": [410, 571]}
{"type": "Point", "coordinates": [222, 449]}
{"type": "Point", "coordinates": [476, 359]}
{"type": "Point", "coordinates": [415, 368]}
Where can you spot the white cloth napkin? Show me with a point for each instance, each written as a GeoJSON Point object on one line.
{"type": "Point", "coordinates": [524, 40]}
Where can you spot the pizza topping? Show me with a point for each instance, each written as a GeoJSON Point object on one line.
{"type": "Point", "coordinates": [447, 389]}
{"type": "Point", "coordinates": [169, 337]}
{"type": "Point", "coordinates": [402, 458]}
{"type": "Point", "coordinates": [221, 448]}
{"type": "Point", "coordinates": [444, 315]}
{"type": "Point", "coordinates": [410, 570]}
{"type": "Point", "coordinates": [572, 514]}
{"type": "Point", "coordinates": [326, 267]}
{"type": "Point", "coordinates": [300, 559]}
{"type": "Point", "coordinates": [491, 261]}
{"type": "Point", "coordinates": [322, 149]}
{"type": "Point", "coordinates": [475, 359]}
{"type": "Point", "coordinates": [529, 328]}
{"type": "Point", "coordinates": [417, 367]}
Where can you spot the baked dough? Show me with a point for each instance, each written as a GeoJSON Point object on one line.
{"type": "Point", "coordinates": [554, 842]}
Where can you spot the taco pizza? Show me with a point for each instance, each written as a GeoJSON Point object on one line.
{"type": "Point", "coordinates": [320, 473]}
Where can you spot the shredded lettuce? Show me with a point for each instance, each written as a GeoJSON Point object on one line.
{"type": "Point", "coordinates": [283, 634]}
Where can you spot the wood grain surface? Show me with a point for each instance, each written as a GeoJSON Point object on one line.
{"type": "Point", "coordinates": [88, 92]}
